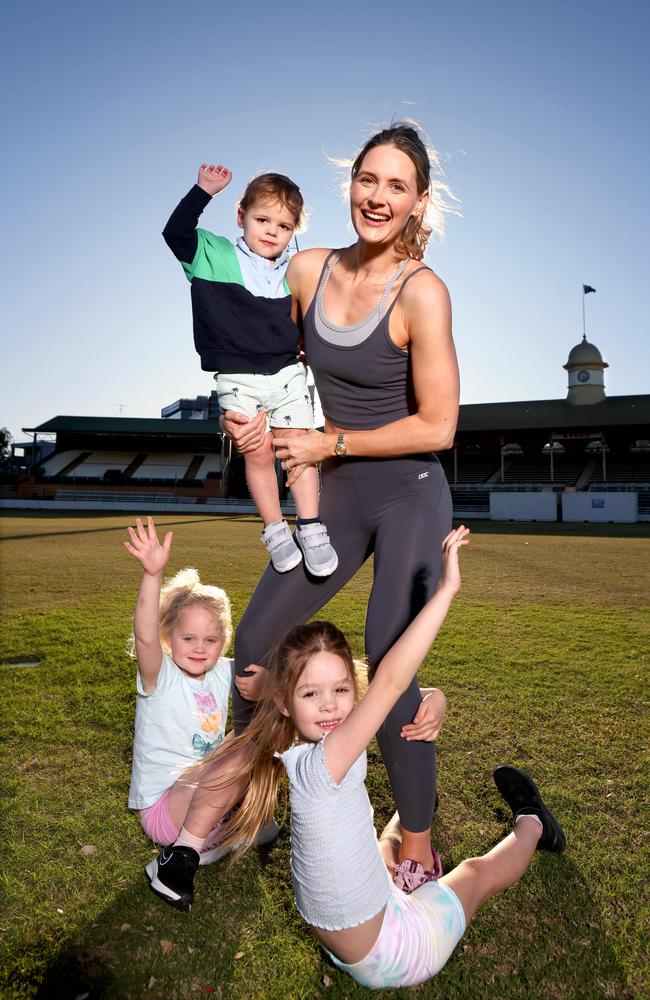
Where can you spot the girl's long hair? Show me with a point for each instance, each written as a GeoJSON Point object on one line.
{"type": "Point", "coordinates": [271, 732]}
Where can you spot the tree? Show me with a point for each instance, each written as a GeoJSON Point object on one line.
{"type": "Point", "coordinates": [5, 443]}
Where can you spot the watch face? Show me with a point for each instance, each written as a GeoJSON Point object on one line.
{"type": "Point", "coordinates": [583, 376]}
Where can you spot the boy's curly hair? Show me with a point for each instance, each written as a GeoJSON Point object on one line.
{"type": "Point", "coordinates": [278, 187]}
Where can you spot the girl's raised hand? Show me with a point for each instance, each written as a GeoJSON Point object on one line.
{"type": "Point", "coordinates": [213, 179]}
{"type": "Point", "coordinates": [450, 573]}
{"type": "Point", "coordinates": [146, 548]}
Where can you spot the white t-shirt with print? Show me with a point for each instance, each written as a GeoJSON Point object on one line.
{"type": "Point", "coordinates": [178, 723]}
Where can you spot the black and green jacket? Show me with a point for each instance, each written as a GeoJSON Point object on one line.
{"type": "Point", "coordinates": [234, 330]}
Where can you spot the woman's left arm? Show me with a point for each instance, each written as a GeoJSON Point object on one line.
{"type": "Point", "coordinates": [425, 314]}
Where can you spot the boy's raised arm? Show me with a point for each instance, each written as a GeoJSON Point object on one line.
{"type": "Point", "coordinates": [180, 232]}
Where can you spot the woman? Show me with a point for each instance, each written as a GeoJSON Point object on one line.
{"type": "Point", "coordinates": [377, 331]}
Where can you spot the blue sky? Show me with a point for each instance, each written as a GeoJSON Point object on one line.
{"type": "Point", "coordinates": [540, 112]}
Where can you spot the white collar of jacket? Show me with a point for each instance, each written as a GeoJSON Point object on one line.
{"type": "Point", "coordinates": [263, 278]}
{"type": "Point", "coordinates": [263, 262]}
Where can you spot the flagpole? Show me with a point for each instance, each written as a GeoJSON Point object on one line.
{"type": "Point", "coordinates": [584, 332]}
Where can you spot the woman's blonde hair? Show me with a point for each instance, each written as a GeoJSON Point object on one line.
{"type": "Point", "coordinates": [185, 590]}
{"type": "Point", "coordinates": [271, 732]}
{"type": "Point", "coordinates": [409, 137]}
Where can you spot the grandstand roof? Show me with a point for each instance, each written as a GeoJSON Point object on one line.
{"type": "Point", "coordinates": [551, 414]}
{"type": "Point", "coordinates": [554, 414]}
{"type": "Point", "coordinates": [127, 425]}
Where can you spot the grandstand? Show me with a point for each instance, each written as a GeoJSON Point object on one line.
{"type": "Point", "coordinates": [128, 458]}
{"type": "Point", "coordinates": [585, 443]}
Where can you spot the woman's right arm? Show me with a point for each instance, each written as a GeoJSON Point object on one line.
{"type": "Point", "coordinates": [398, 667]}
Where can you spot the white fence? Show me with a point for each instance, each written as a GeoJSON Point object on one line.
{"type": "Point", "coordinates": [600, 507]}
{"type": "Point", "coordinates": [623, 505]}
{"type": "Point", "coordinates": [523, 506]}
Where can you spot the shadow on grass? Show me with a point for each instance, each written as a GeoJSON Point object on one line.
{"type": "Point", "coordinates": [541, 940]}
{"type": "Point", "coordinates": [141, 947]}
{"type": "Point", "coordinates": [562, 528]}
{"type": "Point", "coordinates": [129, 517]}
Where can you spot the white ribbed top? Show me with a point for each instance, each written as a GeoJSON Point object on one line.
{"type": "Point", "coordinates": [338, 875]}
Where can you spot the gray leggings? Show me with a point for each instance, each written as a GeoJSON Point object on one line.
{"type": "Point", "coordinates": [400, 509]}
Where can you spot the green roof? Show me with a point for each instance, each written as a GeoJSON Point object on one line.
{"type": "Point", "coordinates": [553, 414]}
{"type": "Point", "coordinates": [538, 414]}
{"type": "Point", "coordinates": [128, 425]}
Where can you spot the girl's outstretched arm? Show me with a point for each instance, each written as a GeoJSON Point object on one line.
{"type": "Point", "coordinates": [398, 667]}
{"type": "Point", "coordinates": [152, 556]}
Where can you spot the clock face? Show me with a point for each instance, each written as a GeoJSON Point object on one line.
{"type": "Point", "coordinates": [583, 376]}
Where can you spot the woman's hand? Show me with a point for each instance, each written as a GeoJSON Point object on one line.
{"type": "Point", "coordinates": [429, 717]}
{"type": "Point", "coordinates": [247, 435]}
{"type": "Point", "coordinates": [297, 453]}
{"type": "Point", "coordinates": [252, 686]}
{"type": "Point", "coordinates": [146, 548]}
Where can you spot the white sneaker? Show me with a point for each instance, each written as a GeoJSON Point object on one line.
{"type": "Point", "coordinates": [320, 558]}
{"type": "Point", "coordinates": [266, 835]}
{"type": "Point", "coordinates": [284, 552]}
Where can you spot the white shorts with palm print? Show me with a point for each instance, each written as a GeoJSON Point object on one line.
{"type": "Point", "coordinates": [284, 396]}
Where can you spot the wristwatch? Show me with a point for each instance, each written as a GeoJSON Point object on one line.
{"type": "Point", "coordinates": [340, 448]}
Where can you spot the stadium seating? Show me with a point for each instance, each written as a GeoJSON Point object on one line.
{"type": "Point", "coordinates": [470, 469]}
{"type": "Point", "coordinates": [621, 468]}
{"type": "Point", "coordinates": [99, 463]}
{"type": "Point", "coordinates": [173, 466]}
{"type": "Point", "coordinates": [55, 464]}
{"type": "Point", "coordinates": [537, 469]}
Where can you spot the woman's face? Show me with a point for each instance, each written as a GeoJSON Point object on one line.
{"type": "Point", "coordinates": [383, 195]}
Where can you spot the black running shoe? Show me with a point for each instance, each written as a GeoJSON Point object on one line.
{"type": "Point", "coordinates": [171, 875]}
{"type": "Point", "coordinates": [523, 797]}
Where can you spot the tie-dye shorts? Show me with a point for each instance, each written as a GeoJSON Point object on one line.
{"type": "Point", "coordinates": [417, 936]}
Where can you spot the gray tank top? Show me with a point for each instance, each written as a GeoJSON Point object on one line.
{"type": "Point", "coordinates": [363, 380]}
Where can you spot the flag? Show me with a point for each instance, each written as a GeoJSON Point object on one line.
{"type": "Point", "coordinates": [587, 288]}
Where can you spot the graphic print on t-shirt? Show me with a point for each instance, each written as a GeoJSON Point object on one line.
{"type": "Point", "coordinates": [210, 718]}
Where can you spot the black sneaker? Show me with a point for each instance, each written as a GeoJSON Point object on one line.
{"type": "Point", "coordinates": [523, 797]}
{"type": "Point", "coordinates": [171, 875]}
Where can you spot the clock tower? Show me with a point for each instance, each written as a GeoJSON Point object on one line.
{"type": "Point", "coordinates": [586, 369]}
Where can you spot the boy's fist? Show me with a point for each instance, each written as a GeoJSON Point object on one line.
{"type": "Point", "coordinates": [213, 179]}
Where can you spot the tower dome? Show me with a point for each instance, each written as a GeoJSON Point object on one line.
{"type": "Point", "coordinates": [586, 368]}
{"type": "Point", "coordinates": [584, 353]}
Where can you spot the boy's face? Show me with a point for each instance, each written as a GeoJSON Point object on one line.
{"type": "Point", "coordinates": [268, 227]}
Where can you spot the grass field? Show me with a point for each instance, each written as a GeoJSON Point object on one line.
{"type": "Point", "coordinates": [544, 658]}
